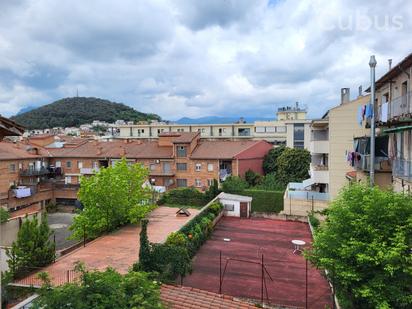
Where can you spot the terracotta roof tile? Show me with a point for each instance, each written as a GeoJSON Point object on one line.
{"type": "Point", "coordinates": [186, 297]}
{"type": "Point", "coordinates": [10, 151]}
{"type": "Point", "coordinates": [221, 149]}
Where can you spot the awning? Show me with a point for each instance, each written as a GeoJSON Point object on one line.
{"type": "Point", "coordinates": [308, 182]}
{"type": "Point", "coordinates": [397, 129]}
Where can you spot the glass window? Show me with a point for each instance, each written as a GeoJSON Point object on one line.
{"type": "Point", "coordinates": [281, 129]}
{"type": "Point", "coordinates": [12, 168]}
{"type": "Point", "coordinates": [198, 167]}
{"type": "Point", "coordinates": [298, 135]}
{"type": "Point", "coordinates": [69, 164]}
{"type": "Point", "coordinates": [198, 182]}
{"type": "Point", "coordinates": [210, 167]}
{"type": "Point", "coordinates": [181, 151]}
{"type": "Point", "coordinates": [181, 183]}
{"type": "Point", "coordinates": [260, 130]}
{"type": "Point", "coordinates": [210, 182]}
{"type": "Point", "coordinates": [243, 131]}
{"type": "Point", "coordinates": [152, 167]}
{"type": "Point", "coordinates": [79, 164]}
{"type": "Point", "coordinates": [229, 207]}
{"type": "Point", "coordinates": [181, 166]}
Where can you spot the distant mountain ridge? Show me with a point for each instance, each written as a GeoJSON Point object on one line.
{"type": "Point", "coordinates": [220, 120]}
{"type": "Point", "coordinates": [73, 112]}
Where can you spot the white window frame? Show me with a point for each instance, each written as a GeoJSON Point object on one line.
{"type": "Point", "coordinates": [229, 207]}
{"type": "Point", "coordinates": [210, 167]}
{"type": "Point", "coordinates": [79, 164]}
{"type": "Point", "coordinates": [198, 183]}
{"type": "Point", "coordinates": [198, 167]}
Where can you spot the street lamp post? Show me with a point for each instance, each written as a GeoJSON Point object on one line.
{"type": "Point", "coordinates": [372, 65]}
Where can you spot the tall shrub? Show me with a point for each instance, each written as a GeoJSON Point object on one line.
{"type": "Point", "coordinates": [293, 165]}
{"type": "Point", "coordinates": [32, 248]}
{"type": "Point", "coordinates": [365, 243]}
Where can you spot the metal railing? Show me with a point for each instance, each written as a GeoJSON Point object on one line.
{"type": "Point", "coordinates": [402, 169]}
{"type": "Point", "coordinates": [34, 172]}
{"type": "Point", "coordinates": [364, 163]}
{"type": "Point", "coordinates": [308, 195]}
{"type": "Point", "coordinates": [398, 108]}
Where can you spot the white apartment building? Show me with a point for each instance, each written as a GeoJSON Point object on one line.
{"type": "Point", "coordinates": [291, 129]}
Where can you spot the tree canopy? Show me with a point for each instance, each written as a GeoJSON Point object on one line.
{"type": "Point", "coordinates": [293, 165]}
{"type": "Point", "coordinates": [72, 112]}
{"type": "Point", "coordinates": [102, 289]}
{"type": "Point", "coordinates": [32, 248]}
{"type": "Point", "coordinates": [115, 196]}
{"type": "Point", "coordinates": [270, 159]}
{"type": "Point", "coordinates": [365, 244]}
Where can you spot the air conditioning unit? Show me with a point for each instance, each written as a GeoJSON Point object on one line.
{"type": "Point", "coordinates": [157, 161]}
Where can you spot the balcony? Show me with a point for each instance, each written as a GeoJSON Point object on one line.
{"type": "Point", "coordinates": [88, 171]}
{"type": "Point", "coordinates": [319, 146]}
{"type": "Point", "coordinates": [382, 164]}
{"type": "Point", "coordinates": [402, 169]}
{"type": "Point", "coordinates": [319, 173]}
{"type": "Point", "coordinates": [399, 109]}
{"type": "Point", "coordinates": [296, 191]}
{"type": "Point", "coordinates": [34, 172]}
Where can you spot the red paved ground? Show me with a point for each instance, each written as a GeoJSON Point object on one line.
{"type": "Point", "coordinates": [250, 238]}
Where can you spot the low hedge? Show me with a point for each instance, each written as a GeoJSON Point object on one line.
{"type": "Point", "coordinates": [173, 258]}
{"type": "Point", "coordinates": [184, 196]}
{"type": "Point", "coordinates": [265, 201]}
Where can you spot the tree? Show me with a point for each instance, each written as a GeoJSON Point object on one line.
{"type": "Point", "coordinates": [113, 197]}
{"type": "Point", "coordinates": [144, 250]}
{"type": "Point", "coordinates": [270, 159]}
{"type": "Point", "coordinates": [365, 244]}
{"type": "Point", "coordinates": [252, 178]}
{"type": "Point", "coordinates": [102, 289]}
{"type": "Point", "coordinates": [270, 182]}
{"type": "Point", "coordinates": [293, 165]}
{"type": "Point", "coordinates": [32, 248]}
{"type": "Point", "coordinates": [234, 184]}
{"type": "Point", "coordinates": [4, 215]}
{"type": "Point", "coordinates": [212, 191]}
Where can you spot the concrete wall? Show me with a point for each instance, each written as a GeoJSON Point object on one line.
{"type": "Point", "coordinates": [294, 207]}
{"type": "Point", "coordinates": [236, 209]}
{"type": "Point", "coordinates": [343, 127]}
{"type": "Point", "coordinates": [9, 229]}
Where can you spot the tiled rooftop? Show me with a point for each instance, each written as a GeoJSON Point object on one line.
{"type": "Point", "coordinates": [176, 297]}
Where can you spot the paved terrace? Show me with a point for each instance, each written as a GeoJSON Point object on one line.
{"type": "Point", "coordinates": [249, 238]}
{"type": "Point", "coordinates": [119, 249]}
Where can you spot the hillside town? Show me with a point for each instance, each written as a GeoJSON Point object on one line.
{"type": "Point", "coordinates": [181, 154]}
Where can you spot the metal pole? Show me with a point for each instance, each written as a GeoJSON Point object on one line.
{"type": "Point", "coordinates": [262, 274]}
{"type": "Point", "coordinates": [306, 285]}
{"type": "Point", "coordinates": [220, 272]}
{"type": "Point", "coordinates": [372, 65]}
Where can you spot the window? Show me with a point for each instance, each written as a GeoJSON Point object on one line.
{"type": "Point", "coordinates": [181, 166]}
{"type": "Point", "coordinates": [229, 207]}
{"type": "Point", "coordinates": [198, 183]}
{"type": "Point", "coordinates": [181, 151]}
{"type": "Point", "coordinates": [198, 167]}
{"type": "Point", "coordinates": [152, 167]}
{"type": "Point", "coordinates": [271, 129]}
{"type": "Point", "coordinates": [281, 129]}
{"type": "Point", "coordinates": [140, 132]}
{"type": "Point", "coordinates": [180, 130]}
{"type": "Point", "coordinates": [131, 131]}
{"type": "Point", "coordinates": [243, 131]}
{"type": "Point", "coordinates": [210, 182]}
{"type": "Point", "coordinates": [201, 130]}
{"type": "Point", "coordinates": [210, 167]}
{"type": "Point", "coordinates": [260, 130]}
{"type": "Point", "coordinates": [95, 165]}
{"type": "Point", "coordinates": [79, 164]}
{"type": "Point", "coordinates": [12, 168]}
{"type": "Point", "coordinates": [181, 183]}
{"type": "Point", "coordinates": [69, 164]}
{"type": "Point", "coordinates": [298, 135]}
{"type": "Point", "coordinates": [68, 180]}
{"type": "Point", "coordinates": [221, 131]}
{"type": "Point", "coordinates": [58, 164]}
{"type": "Point", "coordinates": [166, 167]}
{"type": "Point", "coordinates": [20, 166]}
{"type": "Point", "coordinates": [159, 131]}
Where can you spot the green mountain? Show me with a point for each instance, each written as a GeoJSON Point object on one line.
{"type": "Point", "coordinates": [72, 112]}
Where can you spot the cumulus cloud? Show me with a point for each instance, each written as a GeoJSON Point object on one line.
{"type": "Point", "coordinates": [195, 58]}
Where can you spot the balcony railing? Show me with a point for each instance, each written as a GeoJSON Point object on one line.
{"type": "Point", "coordinates": [381, 163]}
{"type": "Point", "coordinates": [402, 169]}
{"type": "Point", "coordinates": [35, 172]}
{"type": "Point", "coordinates": [398, 108]}
{"type": "Point", "coordinates": [88, 170]}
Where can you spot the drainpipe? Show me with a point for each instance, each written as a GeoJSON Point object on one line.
{"type": "Point", "coordinates": [372, 65]}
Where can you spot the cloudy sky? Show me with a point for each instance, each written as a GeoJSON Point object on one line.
{"type": "Point", "coordinates": [196, 58]}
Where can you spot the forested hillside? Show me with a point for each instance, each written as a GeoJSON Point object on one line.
{"type": "Point", "coordinates": [75, 111]}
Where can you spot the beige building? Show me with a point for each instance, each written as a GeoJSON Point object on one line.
{"type": "Point", "coordinates": [394, 119]}
{"type": "Point", "coordinates": [291, 129]}
{"type": "Point", "coordinates": [331, 142]}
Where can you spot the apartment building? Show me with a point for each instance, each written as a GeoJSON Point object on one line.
{"type": "Point", "coordinates": [291, 129]}
{"type": "Point", "coordinates": [394, 120]}
{"type": "Point", "coordinates": [35, 175]}
{"type": "Point", "coordinates": [332, 140]}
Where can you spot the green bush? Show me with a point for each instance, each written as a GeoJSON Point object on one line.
{"type": "Point", "coordinates": [234, 184]}
{"type": "Point", "coordinates": [265, 201]}
{"type": "Point", "coordinates": [314, 221]}
{"type": "Point", "coordinates": [4, 215]}
{"type": "Point", "coordinates": [184, 196]}
{"type": "Point", "coordinates": [252, 178]}
{"type": "Point", "coordinates": [270, 182]}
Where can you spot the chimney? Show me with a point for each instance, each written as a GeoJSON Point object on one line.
{"type": "Point", "coordinates": [390, 64]}
{"type": "Point", "coordinates": [344, 95]}
{"type": "Point", "coordinates": [360, 91]}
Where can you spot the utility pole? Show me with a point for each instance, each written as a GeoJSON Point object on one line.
{"type": "Point", "coordinates": [372, 65]}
